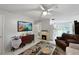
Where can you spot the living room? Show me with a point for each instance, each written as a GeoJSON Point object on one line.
{"type": "Point", "coordinates": [39, 27]}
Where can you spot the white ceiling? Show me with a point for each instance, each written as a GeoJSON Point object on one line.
{"type": "Point", "coordinates": [34, 11]}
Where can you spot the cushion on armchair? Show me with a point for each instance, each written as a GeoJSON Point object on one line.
{"type": "Point", "coordinates": [74, 45]}
{"type": "Point", "coordinates": [71, 51]}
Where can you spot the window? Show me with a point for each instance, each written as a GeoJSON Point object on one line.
{"type": "Point", "coordinates": [60, 28]}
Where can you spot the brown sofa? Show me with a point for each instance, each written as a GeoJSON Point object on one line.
{"type": "Point", "coordinates": [65, 39]}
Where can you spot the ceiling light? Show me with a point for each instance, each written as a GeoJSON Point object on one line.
{"type": "Point", "coordinates": [45, 13]}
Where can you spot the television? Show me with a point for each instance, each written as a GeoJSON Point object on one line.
{"type": "Point", "coordinates": [24, 26]}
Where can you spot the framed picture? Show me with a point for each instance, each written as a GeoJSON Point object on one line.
{"type": "Point", "coordinates": [24, 26]}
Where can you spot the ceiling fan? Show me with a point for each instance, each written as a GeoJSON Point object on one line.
{"type": "Point", "coordinates": [46, 8]}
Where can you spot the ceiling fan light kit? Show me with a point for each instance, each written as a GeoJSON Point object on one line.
{"type": "Point", "coordinates": [44, 13]}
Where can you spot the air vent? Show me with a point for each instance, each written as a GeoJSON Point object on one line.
{"type": "Point", "coordinates": [53, 19]}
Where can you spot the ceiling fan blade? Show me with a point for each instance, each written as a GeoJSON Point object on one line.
{"type": "Point", "coordinates": [53, 7]}
{"type": "Point", "coordinates": [50, 10]}
{"type": "Point", "coordinates": [42, 7]}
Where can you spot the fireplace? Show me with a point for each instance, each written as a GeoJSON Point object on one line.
{"type": "Point", "coordinates": [44, 37]}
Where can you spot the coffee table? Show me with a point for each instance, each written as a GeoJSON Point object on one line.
{"type": "Point", "coordinates": [46, 49]}
{"type": "Point", "coordinates": [41, 48]}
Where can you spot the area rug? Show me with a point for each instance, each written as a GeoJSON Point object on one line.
{"type": "Point", "coordinates": [58, 51]}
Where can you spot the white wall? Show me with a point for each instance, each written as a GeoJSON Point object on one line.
{"type": "Point", "coordinates": [10, 27]}
{"type": "Point", "coordinates": [37, 30]}
{"type": "Point", "coordinates": [1, 34]}
{"type": "Point", "coordinates": [45, 25]}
